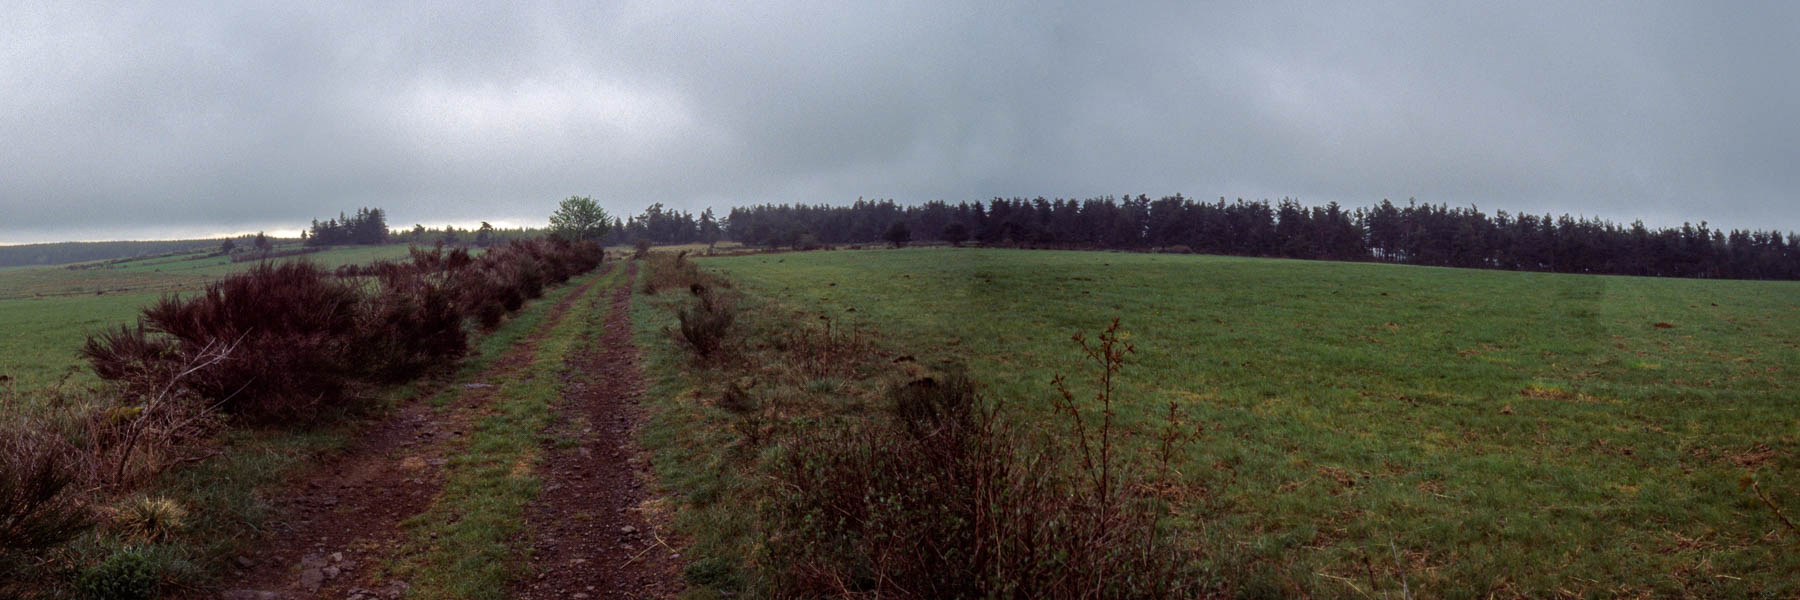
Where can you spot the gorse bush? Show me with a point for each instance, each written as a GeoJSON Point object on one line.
{"type": "Point", "coordinates": [412, 323]}
{"type": "Point", "coordinates": [706, 324]}
{"type": "Point", "coordinates": [39, 510]}
{"type": "Point", "coordinates": [305, 339]}
{"type": "Point", "coordinates": [293, 327]}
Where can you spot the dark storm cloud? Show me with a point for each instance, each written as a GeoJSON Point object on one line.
{"type": "Point", "coordinates": [180, 119]}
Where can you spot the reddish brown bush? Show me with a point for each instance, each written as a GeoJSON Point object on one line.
{"type": "Point", "coordinates": [305, 338]}
{"type": "Point", "coordinates": [412, 323]}
{"type": "Point", "coordinates": [291, 324]}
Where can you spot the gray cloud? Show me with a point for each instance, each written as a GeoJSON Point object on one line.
{"type": "Point", "coordinates": [181, 119]}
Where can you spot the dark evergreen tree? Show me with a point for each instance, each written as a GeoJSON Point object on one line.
{"type": "Point", "coordinates": [897, 234]}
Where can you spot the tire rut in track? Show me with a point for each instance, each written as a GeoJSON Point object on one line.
{"type": "Point", "coordinates": [591, 536]}
{"type": "Point", "coordinates": [343, 520]}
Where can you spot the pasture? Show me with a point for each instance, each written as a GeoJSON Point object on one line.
{"type": "Point", "coordinates": [1368, 426]}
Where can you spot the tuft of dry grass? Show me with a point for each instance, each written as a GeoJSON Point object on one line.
{"type": "Point", "coordinates": [150, 519]}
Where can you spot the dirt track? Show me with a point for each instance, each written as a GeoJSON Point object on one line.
{"type": "Point", "coordinates": [590, 537]}
{"type": "Point", "coordinates": [343, 520]}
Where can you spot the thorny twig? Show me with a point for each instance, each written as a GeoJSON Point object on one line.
{"type": "Point", "coordinates": [1775, 508]}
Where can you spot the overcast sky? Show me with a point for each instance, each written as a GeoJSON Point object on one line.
{"type": "Point", "coordinates": [164, 120]}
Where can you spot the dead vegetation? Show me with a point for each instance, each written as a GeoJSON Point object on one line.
{"type": "Point", "coordinates": [40, 507]}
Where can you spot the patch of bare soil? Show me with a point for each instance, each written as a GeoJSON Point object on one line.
{"type": "Point", "coordinates": [593, 535]}
{"type": "Point", "coordinates": [341, 522]}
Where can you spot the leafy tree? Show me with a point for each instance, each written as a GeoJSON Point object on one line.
{"type": "Point", "coordinates": [956, 233]}
{"type": "Point", "coordinates": [227, 246]}
{"type": "Point", "coordinates": [579, 218]}
{"type": "Point", "coordinates": [897, 234]}
{"type": "Point", "coordinates": [484, 235]}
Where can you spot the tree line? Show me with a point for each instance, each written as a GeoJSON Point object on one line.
{"type": "Point", "coordinates": [58, 253]}
{"type": "Point", "coordinates": [1416, 233]}
{"type": "Point", "coordinates": [367, 226]}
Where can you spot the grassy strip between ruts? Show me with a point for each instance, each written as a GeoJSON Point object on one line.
{"type": "Point", "coordinates": [226, 495]}
{"type": "Point", "coordinates": [466, 545]}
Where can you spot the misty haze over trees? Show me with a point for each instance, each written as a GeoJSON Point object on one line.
{"type": "Point", "coordinates": [1416, 233]}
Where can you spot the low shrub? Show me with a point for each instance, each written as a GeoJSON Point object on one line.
{"type": "Point", "coordinates": [131, 573]}
{"type": "Point", "coordinates": [943, 497]}
{"type": "Point", "coordinates": [706, 324]}
{"type": "Point", "coordinates": [293, 328]}
{"type": "Point", "coordinates": [39, 509]}
{"type": "Point", "coordinates": [305, 339]}
{"type": "Point", "coordinates": [412, 323]}
{"type": "Point", "coordinates": [489, 313]}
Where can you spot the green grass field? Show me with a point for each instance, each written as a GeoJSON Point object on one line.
{"type": "Point", "coordinates": [1470, 432]}
{"type": "Point", "coordinates": [47, 312]}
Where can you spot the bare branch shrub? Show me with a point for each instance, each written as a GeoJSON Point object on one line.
{"type": "Point", "coordinates": [946, 497]}
{"type": "Point", "coordinates": [39, 509]}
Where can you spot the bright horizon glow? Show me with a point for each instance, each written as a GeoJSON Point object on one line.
{"type": "Point", "coordinates": [285, 233]}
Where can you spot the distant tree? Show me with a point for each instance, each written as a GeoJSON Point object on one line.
{"type": "Point", "coordinates": [709, 229]}
{"type": "Point", "coordinates": [227, 246]}
{"type": "Point", "coordinates": [369, 226]}
{"type": "Point", "coordinates": [485, 235]}
{"type": "Point", "coordinates": [579, 218]}
{"type": "Point", "coordinates": [897, 234]}
{"type": "Point", "coordinates": [450, 237]}
{"type": "Point", "coordinates": [956, 233]}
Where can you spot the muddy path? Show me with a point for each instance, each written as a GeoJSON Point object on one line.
{"type": "Point", "coordinates": [592, 535]}
{"type": "Point", "coordinates": [343, 521]}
